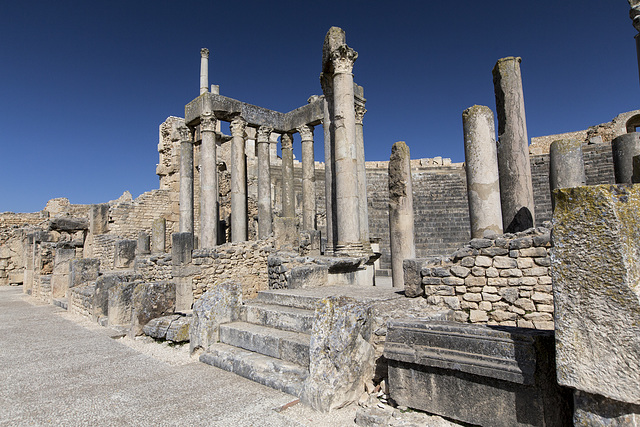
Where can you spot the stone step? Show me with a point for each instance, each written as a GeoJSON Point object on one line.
{"type": "Point", "coordinates": [285, 345]}
{"type": "Point", "coordinates": [289, 299]}
{"type": "Point", "coordinates": [275, 373]}
{"type": "Point", "coordinates": [60, 302]}
{"type": "Point", "coordinates": [277, 316]}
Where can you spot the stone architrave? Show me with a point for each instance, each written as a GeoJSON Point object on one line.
{"type": "Point", "coordinates": [400, 211]}
{"type": "Point", "coordinates": [264, 182]}
{"type": "Point", "coordinates": [516, 188]}
{"type": "Point", "coordinates": [288, 196]}
{"type": "Point", "coordinates": [360, 164]}
{"type": "Point", "coordinates": [204, 70]}
{"type": "Point", "coordinates": [238, 181]}
{"type": "Point", "coordinates": [308, 178]}
{"type": "Point", "coordinates": [158, 235]}
{"type": "Point", "coordinates": [481, 166]}
{"type": "Point", "coordinates": [99, 218]}
{"type": "Point", "coordinates": [186, 179]}
{"type": "Point", "coordinates": [624, 148]}
{"type": "Point", "coordinates": [566, 165]}
{"type": "Point", "coordinates": [329, 156]}
{"type": "Point", "coordinates": [208, 183]}
{"type": "Point", "coordinates": [595, 271]}
{"type": "Point", "coordinates": [346, 172]}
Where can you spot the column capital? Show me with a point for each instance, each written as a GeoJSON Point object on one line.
{"type": "Point", "coordinates": [286, 141]}
{"type": "Point", "coordinates": [208, 122]}
{"type": "Point", "coordinates": [263, 134]}
{"type": "Point", "coordinates": [238, 126]}
{"type": "Point", "coordinates": [343, 59]}
{"type": "Point", "coordinates": [204, 52]}
{"type": "Point", "coordinates": [360, 112]}
{"type": "Point", "coordinates": [306, 132]}
{"type": "Point", "coordinates": [183, 133]}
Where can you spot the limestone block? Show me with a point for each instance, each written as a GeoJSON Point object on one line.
{"type": "Point", "coordinates": [412, 276]}
{"type": "Point", "coordinates": [594, 410]}
{"type": "Point", "coordinates": [220, 304]}
{"type": "Point", "coordinates": [598, 353]}
{"type": "Point", "coordinates": [120, 303]}
{"type": "Point", "coordinates": [181, 248]}
{"type": "Point", "coordinates": [308, 276]}
{"type": "Point", "coordinates": [151, 300]}
{"type": "Point", "coordinates": [125, 254]}
{"type": "Point", "coordinates": [286, 233]}
{"type": "Point", "coordinates": [341, 356]}
{"type": "Point", "coordinates": [157, 328]}
{"type": "Point", "coordinates": [83, 270]}
{"type": "Point", "coordinates": [101, 294]}
{"type": "Point", "coordinates": [68, 224]}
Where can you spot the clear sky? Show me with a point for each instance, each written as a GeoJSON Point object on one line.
{"type": "Point", "coordinates": [84, 85]}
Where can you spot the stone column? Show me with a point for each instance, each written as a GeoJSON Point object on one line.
{"type": "Point", "coordinates": [362, 172]}
{"type": "Point", "coordinates": [264, 182]}
{"type": "Point", "coordinates": [346, 171]}
{"type": "Point", "coordinates": [636, 170]}
{"type": "Point", "coordinates": [238, 181]}
{"type": "Point", "coordinates": [208, 183]}
{"type": "Point", "coordinates": [329, 159]}
{"type": "Point", "coordinates": [566, 166]}
{"type": "Point", "coordinates": [186, 180]}
{"type": "Point", "coordinates": [481, 164]}
{"type": "Point", "coordinates": [400, 211]}
{"type": "Point", "coordinates": [204, 70]}
{"type": "Point", "coordinates": [158, 235]}
{"type": "Point", "coordinates": [308, 179]}
{"type": "Point", "coordinates": [288, 196]}
{"type": "Point", "coordinates": [623, 149]}
{"type": "Point", "coordinates": [516, 188]}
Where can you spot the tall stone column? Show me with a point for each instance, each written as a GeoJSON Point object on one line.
{"type": "Point", "coordinates": [623, 149]}
{"type": "Point", "coordinates": [346, 171]}
{"type": "Point", "coordinates": [204, 70]}
{"type": "Point", "coordinates": [264, 182]}
{"type": "Point", "coordinates": [208, 183]}
{"type": "Point", "coordinates": [516, 188]}
{"type": "Point", "coordinates": [362, 173]}
{"type": "Point", "coordinates": [400, 211]}
{"type": "Point", "coordinates": [329, 159]}
{"type": "Point", "coordinates": [308, 179]}
{"type": "Point", "coordinates": [288, 196]}
{"type": "Point", "coordinates": [566, 165]}
{"type": "Point", "coordinates": [238, 181]}
{"type": "Point", "coordinates": [186, 180]}
{"type": "Point", "coordinates": [481, 163]}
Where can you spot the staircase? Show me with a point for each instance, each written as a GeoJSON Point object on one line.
{"type": "Point", "coordinates": [270, 342]}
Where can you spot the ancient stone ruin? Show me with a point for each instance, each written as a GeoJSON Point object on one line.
{"type": "Point", "coordinates": [499, 292]}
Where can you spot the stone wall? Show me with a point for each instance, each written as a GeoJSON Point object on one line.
{"type": "Point", "coordinates": [104, 249]}
{"type": "Point", "coordinates": [500, 281]}
{"type": "Point", "coordinates": [154, 268]}
{"type": "Point", "coordinates": [81, 300]}
{"type": "Point", "coordinates": [243, 262]}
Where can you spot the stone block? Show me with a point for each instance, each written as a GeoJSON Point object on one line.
{"type": "Point", "coordinates": [121, 303]}
{"type": "Point", "coordinates": [220, 304]}
{"type": "Point", "coordinates": [308, 276]}
{"type": "Point", "coordinates": [151, 300]}
{"type": "Point", "coordinates": [286, 233]}
{"type": "Point", "coordinates": [125, 254]}
{"type": "Point", "coordinates": [504, 262]}
{"type": "Point", "coordinates": [68, 224]}
{"type": "Point", "coordinates": [412, 276]}
{"type": "Point", "coordinates": [101, 295]}
{"type": "Point", "coordinates": [83, 270]}
{"type": "Point", "coordinates": [491, 376]}
{"type": "Point", "coordinates": [596, 290]}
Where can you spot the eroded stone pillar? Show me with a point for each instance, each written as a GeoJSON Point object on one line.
{"type": "Point", "coordinates": [329, 158]}
{"type": "Point", "coordinates": [264, 182]}
{"type": "Point", "coordinates": [158, 235]}
{"type": "Point", "coordinates": [623, 149]}
{"type": "Point", "coordinates": [566, 165]}
{"type": "Point", "coordinates": [308, 179]}
{"type": "Point", "coordinates": [363, 208]}
{"type": "Point", "coordinates": [516, 188]}
{"type": "Point", "coordinates": [400, 211]}
{"type": "Point", "coordinates": [238, 181]}
{"type": "Point", "coordinates": [288, 195]}
{"type": "Point", "coordinates": [208, 183]}
{"type": "Point", "coordinates": [346, 171]}
{"type": "Point", "coordinates": [481, 165]}
{"type": "Point", "coordinates": [204, 70]}
{"type": "Point", "coordinates": [99, 218]}
{"type": "Point", "coordinates": [186, 180]}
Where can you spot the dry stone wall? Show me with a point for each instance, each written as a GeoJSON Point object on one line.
{"type": "Point", "coordinates": [128, 218]}
{"type": "Point", "coordinates": [500, 281]}
{"type": "Point", "coordinates": [81, 300]}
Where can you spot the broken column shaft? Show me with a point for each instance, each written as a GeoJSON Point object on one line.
{"type": "Point", "coordinates": [204, 70]}
{"type": "Point", "coordinates": [566, 165]}
{"type": "Point", "coordinates": [623, 149]}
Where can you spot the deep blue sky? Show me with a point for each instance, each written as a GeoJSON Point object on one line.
{"type": "Point", "coordinates": [85, 84]}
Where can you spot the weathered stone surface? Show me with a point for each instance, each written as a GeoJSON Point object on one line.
{"type": "Point", "coordinates": [309, 276]}
{"type": "Point", "coordinates": [157, 328]}
{"type": "Point", "coordinates": [412, 277]}
{"type": "Point", "coordinates": [598, 411]}
{"type": "Point", "coordinates": [341, 357]}
{"type": "Point", "coordinates": [125, 254]}
{"type": "Point", "coordinates": [566, 165]}
{"type": "Point", "coordinates": [83, 270]}
{"type": "Point", "coordinates": [120, 303]}
{"type": "Point", "coordinates": [181, 248]}
{"type": "Point", "coordinates": [151, 300]}
{"type": "Point", "coordinates": [101, 295]}
{"type": "Point", "coordinates": [220, 304]}
{"type": "Point", "coordinates": [69, 224]}
{"type": "Point", "coordinates": [596, 291]}
{"type": "Point", "coordinates": [477, 374]}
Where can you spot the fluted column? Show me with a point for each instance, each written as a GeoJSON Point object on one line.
{"type": "Point", "coordinates": [238, 181]}
{"type": "Point", "coordinates": [308, 179]}
{"type": "Point", "coordinates": [347, 210]}
{"type": "Point", "coordinates": [264, 182]}
{"type": "Point", "coordinates": [208, 183]}
{"type": "Point", "coordinates": [329, 158]}
{"type": "Point", "coordinates": [186, 180]}
{"type": "Point", "coordinates": [363, 208]}
{"type": "Point", "coordinates": [288, 196]}
{"type": "Point", "coordinates": [204, 70]}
